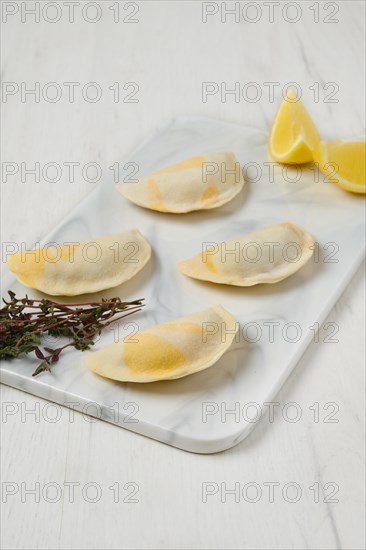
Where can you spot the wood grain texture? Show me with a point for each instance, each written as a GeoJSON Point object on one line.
{"type": "Point", "coordinates": [169, 53]}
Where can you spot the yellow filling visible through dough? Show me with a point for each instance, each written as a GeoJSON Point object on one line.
{"type": "Point", "coordinates": [152, 355]}
{"type": "Point", "coordinates": [29, 265]}
{"type": "Point", "coordinates": [210, 194]}
{"type": "Point", "coordinates": [155, 196]}
{"type": "Point", "coordinates": [207, 259]}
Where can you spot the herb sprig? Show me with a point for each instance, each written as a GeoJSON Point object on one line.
{"type": "Point", "coordinates": [24, 321]}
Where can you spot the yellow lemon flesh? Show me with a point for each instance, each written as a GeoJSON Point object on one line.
{"type": "Point", "coordinates": [293, 136]}
{"type": "Point", "coordinates": [344, 163]}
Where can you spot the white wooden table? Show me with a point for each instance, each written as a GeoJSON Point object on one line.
{"type": "Point", "coordinates": [97, 486]}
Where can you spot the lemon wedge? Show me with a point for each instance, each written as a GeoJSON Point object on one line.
{"type": "Point", "coordinates": [344, 163]}
{"type": "Point", "coordinates": [293, 136]}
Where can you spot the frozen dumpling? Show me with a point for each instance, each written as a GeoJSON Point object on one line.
{"type": "Point", "coordinates": [265, 256]}
{"type": "Point", "coordinates": [79, 268]}
{"type": "Point", "coordinates": [167, 351]}
{"type": "Point", "coordinates": [199, 183]}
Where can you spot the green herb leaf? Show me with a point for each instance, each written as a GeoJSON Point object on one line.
{"type": "Point", "coordinates": [23, 323]}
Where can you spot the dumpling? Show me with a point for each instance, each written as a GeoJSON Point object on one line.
{"type": "Point", "coordinates": [265, 256]}
{"type": "Point", "coordinates": [79, 268]}
{"type": "Point", "coordinates": [167, 351]}
{"type": "Point", "coordinates": [199, 183]}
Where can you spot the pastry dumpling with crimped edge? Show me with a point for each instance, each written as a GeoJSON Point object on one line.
{"type": "Point", "coordinates": [266, 256]}
{"type": "Point", "coordinates": [167, 351]}
{"type": "Point", "coordinates": [82, 267]}
{"type": "Point", "coordinates": [198, 183]}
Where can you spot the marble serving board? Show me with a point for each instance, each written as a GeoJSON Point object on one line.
{"type": "Point", "coordinates": [276, 321]}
